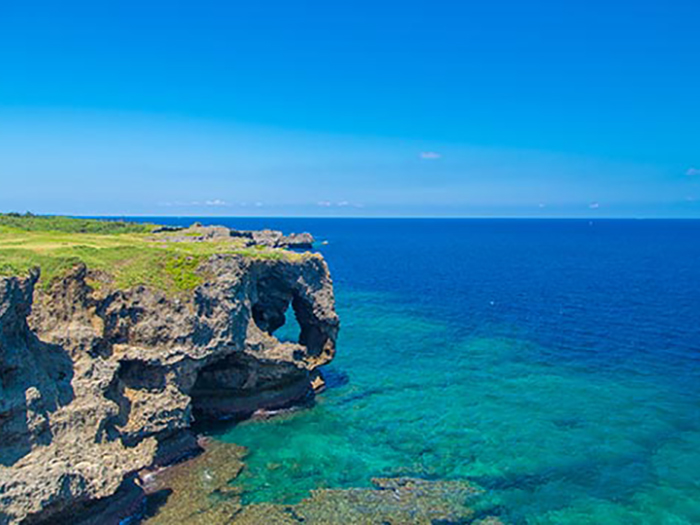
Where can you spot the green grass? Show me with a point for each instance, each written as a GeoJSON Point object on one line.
{"type": "Point", "coordinates": [125, 254]}
{"type": "Point", "coordinates": [29, 222]}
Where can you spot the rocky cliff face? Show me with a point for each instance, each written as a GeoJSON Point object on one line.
{"type": "Point", "coordinates": [95, 385]}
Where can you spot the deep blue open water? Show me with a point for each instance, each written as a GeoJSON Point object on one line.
{"type": "Point", "coordinates": [555, 363]}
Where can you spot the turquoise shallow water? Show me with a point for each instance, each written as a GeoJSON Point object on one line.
{"type": "Point", "coordinates": [553, 445]}
{"type": "Point", "coordinates": [553, 364]}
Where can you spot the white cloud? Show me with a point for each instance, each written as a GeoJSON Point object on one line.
{"type": "Point", "coordinates": [594, 205]}
{"type": "Point", "coordinates": [430, 155]}
{"type": "Point", "coordinates": [339, 204]}
{"type": "Point", "coordinates": [215, 202]}
{"type": "Point", "coordinates": [259, 204]}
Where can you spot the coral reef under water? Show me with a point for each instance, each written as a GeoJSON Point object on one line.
{"type": "Point", "coordinates": [200, 491]}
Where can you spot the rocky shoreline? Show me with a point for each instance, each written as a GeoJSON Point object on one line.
{"type": "Point", "coordinates": [101, 384]}
{"type": "Point", "coordinates": [98, 384]}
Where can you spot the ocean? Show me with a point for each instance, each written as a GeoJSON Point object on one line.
{"type": "Point", "coordinates": [554, 363]}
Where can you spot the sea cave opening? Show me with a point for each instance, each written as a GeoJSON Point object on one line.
{"type": "Point", "coordinates": [276, 312]}
{"type": "Point", "coordinates": [290, 331]}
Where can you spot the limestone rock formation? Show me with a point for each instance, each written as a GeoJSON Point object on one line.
{"type": "Point", "coordinates": [276, 239]}
{"type": "Point", "coordinates": [96, 384]}
{"type": "Point", "coordinates": [267, 238]}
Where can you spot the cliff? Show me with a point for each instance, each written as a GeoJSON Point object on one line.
{"type": "Point", "coordinates": [99, 381]}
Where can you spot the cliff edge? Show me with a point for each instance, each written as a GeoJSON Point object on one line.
{"type": "Point", "coordinates": [98, 381]}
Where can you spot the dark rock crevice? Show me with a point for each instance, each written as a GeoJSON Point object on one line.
{"type": "Point", "coordinates": [274, 296]}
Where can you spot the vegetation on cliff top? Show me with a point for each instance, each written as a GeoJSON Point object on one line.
{"type": "Point", "coordinates": [126, 254]}
{"type": "Point", "coordinates": [36, 223]}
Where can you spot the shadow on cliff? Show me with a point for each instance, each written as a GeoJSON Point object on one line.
{"type": "Point", "coordinates": [35, 377]}
{"type": "Point", "coordinates": [34, 384]}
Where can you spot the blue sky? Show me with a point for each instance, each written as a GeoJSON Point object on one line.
{"type": "Point", "coordinates": [382, 108]}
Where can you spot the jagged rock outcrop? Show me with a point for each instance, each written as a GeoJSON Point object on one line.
{"type": "Point", "coordinates": [276, 239]}
{"type": "Point", "coordinates": [267, 238]}
{"type": "Point", "coordinates": [97, 384]}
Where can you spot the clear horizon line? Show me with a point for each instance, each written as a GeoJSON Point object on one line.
{"type": "Point", "coordinates": [382, 217]}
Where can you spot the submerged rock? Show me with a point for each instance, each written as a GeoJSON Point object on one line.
{"type": "Point", "coordinates": [196, 491]}
{"type": "Point", "coordinates": [97, 384]}
{"type": "Point", "coordinates": [395, 501]}
{"type": "Point", "coordinates": [201, 491]}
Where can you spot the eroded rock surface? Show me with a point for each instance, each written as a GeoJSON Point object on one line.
{"type": "Point", "coordinates": [267, 238]}
{"type": "Point", "coordinates": [97, 384]}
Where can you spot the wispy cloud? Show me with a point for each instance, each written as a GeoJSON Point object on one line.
{"type": "Point", "coordinates": [693, 172]}
{"type": "Point", "coordinates": [594, 205]}
{"type": "Point", "coordinates": [211, 202]}
{"type": "Point", "coordinates": [339, 204]}
{"type": "Point", "coordinates": [430, 155]}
